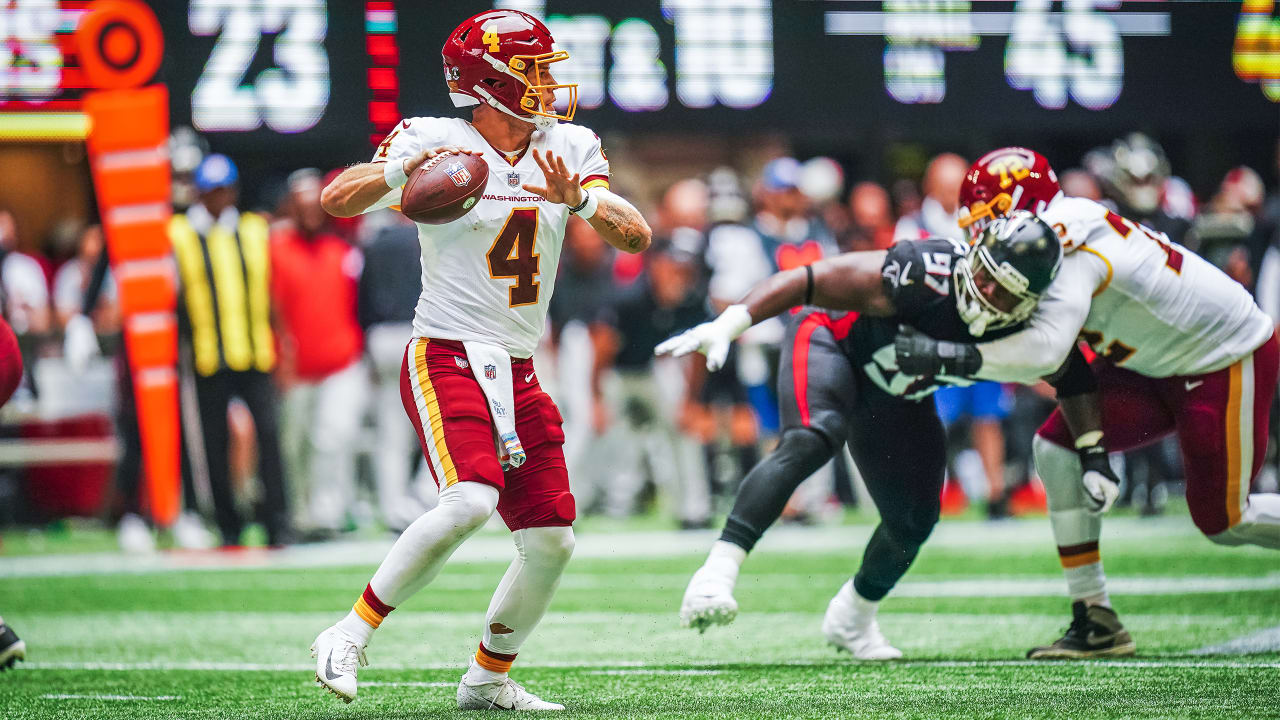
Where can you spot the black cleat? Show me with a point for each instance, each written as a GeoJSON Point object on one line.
{"type": "Point", "coordinates": [1095, 632]}
{"type": "Point", "coordinates": [11, 648]}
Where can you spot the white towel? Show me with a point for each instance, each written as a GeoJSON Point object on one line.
{"type": "Point", "coordinates": [491, 366]}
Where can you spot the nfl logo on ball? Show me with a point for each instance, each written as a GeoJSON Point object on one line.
{"type": "Point", "coordinates": [491, 372]}
{"type": "Point", "coordinates": [458, 174]}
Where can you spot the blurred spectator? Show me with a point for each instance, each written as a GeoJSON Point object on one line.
{"type": "Point", "coordinates": [906, 197]}
{"type": "Point", "coordinates": [938, 210]}
{"type": "Point", "coordinates": [1232, 232]}
{"type": "Point", "coordinates": [72, 280]}
{"type": "Point", "coordinates": [871, 226]}
{"type": "Point", "coordinates": [23, 283]}
{"type": "Point", "coordinates": [792, 237]}
{"type": "Point", "coordinates": [1135, 177]}
{"type": "Point", "coordinates": [1080, 183]}
{"type": "Point", "coordinates": [313, 290]}
{"type": "Point", "coordinates": [654, 399]}
{"type": "Point", "coordinates": [225, 315]}
{"type": "Point", "coordinates": [579, 314]}
{"type": "Point", "coordinates": [822, 181]}
{"type": "Point", "coordinates": [388, 293]}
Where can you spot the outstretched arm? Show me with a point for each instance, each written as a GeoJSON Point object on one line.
{"type": "Point", "coordinates": [846, 282]}
{"type": "Point", "coordinates": [360, 187]}
{"type": "Point", "coordinates": [616, 220]}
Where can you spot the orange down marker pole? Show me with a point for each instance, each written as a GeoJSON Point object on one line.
{"type": "Point", "coordinates": [120, 47]}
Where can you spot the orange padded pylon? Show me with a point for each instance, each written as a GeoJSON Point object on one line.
{"type": "Point", "coordinates": [128, 140]}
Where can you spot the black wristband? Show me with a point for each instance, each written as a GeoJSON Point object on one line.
{"type": "Point", "coordinates": [585, 199]}
{"type": "Point", "coordinates": [808, 287]}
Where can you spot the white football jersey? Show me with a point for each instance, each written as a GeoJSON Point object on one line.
{"type": "Point", "coordinates": [489, 275]}
{"type": "Point", "coordinates": [1141, 301]}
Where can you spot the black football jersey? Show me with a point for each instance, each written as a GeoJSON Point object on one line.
{"type": "Point", "coordinates": [917, 278]}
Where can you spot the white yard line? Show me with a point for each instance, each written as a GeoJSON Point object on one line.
{"type": "Point", "coordinates": [1032, 532]}
{"type": "Point", "coordinates": [378, 683]}
{"type": "Point", "coordinates": [1263, 641]}
{"type": "Point", "coordinates": [61, 696]}
{"type": "Point", "coordinates": [696, 667]}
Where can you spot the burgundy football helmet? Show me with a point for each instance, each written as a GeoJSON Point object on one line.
{"type": "Point", "coordinates": [501, 58]}
{"type": "Point", "coordinates": [1004, 180]}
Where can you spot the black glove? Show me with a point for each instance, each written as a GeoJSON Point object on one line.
{"type": "Point", "coordinates": [919, 354]}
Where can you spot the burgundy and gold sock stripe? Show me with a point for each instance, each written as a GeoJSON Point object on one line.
{"type": "Point", "coordinates": [1074, 556]}
{"type": "Point", "coordinates": [494, 661]}
{"type": "Point", "coordinates": [371, 609]}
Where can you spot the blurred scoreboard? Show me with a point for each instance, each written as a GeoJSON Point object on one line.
{"type": "Point", "coordinates": [319, 80]}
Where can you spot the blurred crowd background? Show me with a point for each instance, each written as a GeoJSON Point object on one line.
{"type": "Point", "coordinates": [292, 420]}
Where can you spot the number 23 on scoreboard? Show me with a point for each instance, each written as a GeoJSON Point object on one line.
{"type": "Point", "coordinates": [513, 255]}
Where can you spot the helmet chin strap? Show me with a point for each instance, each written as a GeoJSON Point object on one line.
{"type": "Point", "coordinates": [540, 122]}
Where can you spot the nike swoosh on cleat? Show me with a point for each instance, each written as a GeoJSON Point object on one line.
{"type": "Point", "coordinates": [328, 668]}
{"type": "Point", "coordinates": [1095, 640]}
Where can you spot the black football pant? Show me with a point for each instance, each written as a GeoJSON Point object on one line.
{"type": "Point", "coordinates": [258, 391]}
{"type": "Point", "coordinates": [898, 445]}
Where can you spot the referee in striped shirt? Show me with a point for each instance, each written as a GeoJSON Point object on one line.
{"type": "Point", "coordinates": [225, 319]}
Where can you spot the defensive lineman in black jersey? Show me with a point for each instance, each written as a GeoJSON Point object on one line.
{"type": "Point", "coordinates": [839, 381]}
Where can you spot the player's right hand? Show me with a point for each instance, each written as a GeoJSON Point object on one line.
{"type": "Point", "coordinates": [1101, 484]}
{"type": "Point", "coordinates": [413, 162]}
{"type": "Point", "coordinates": [710, 338]}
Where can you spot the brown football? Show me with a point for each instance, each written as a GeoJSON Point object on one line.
{"type": "Point", "coordinates": [444, 188]}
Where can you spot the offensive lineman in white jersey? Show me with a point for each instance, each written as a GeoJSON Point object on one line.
{"type": "Point", "coordinates": [1181, 348]}
{"type": "Point", "coordinates": [491, 436]}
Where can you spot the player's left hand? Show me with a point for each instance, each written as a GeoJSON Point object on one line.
{"type": "Point", "coordinates": [562, 186]}
{"type": "Point", "coordinates": [920, 355]}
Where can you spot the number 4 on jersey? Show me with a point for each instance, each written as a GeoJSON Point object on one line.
{"type": "Point", "coordinates": [513, 256]}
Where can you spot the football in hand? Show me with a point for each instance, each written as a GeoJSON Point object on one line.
{"type": "Point", "coordinates": [444, 188]}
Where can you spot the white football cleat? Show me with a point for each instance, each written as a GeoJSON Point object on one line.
{"type": "Point", "coordinates": [505, 694]}
{"type": "Point", "coordinates": [337, 655]}
{"type": "Point", "coordinates": [859, 636]}
{"type": "Point", "coordinates": [134, 535]}
{"type": "Point", "coordinates": [708, 601]}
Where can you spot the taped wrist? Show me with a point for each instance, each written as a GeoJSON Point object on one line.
{"type": "Point", "coordinates": [1095, 458]}
{"type": "Point", "coordinates": [959, 359]}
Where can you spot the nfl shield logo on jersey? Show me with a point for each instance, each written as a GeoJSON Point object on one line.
{"type": "Point", "coordinates": [462, 364]}
{"type": "Point", "coordinates": [491, 372]}
{"type": "Point", "coordinates": [458, 174]}
{"type": "Point", "coordinates": [513, 179]}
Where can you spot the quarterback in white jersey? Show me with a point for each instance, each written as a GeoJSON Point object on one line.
{"type": "Point", "coordinates": [1181, 348]}
{"type": "Point", "coordinates": [475, 284]}
{"type": "Point", "coordinates": [491, 437]}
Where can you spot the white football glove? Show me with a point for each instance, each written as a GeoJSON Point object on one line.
{"type": "Point", "coordinates": [710, 338]}
{"type": "Point", "coordinates": [1101, 491]}
{"type": "Point", "coordinates": [79, 343]}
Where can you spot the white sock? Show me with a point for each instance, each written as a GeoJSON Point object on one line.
{"type": "Point", "coordinates": [1099, 599]}
{"type": "Point", "coordinates": [356, 627]}
{"type": "Point", "coordinates": [423, 548]}
{"type": "Point", "coordinates": [725, 560]}
{"type": "Point", "coordinates": [477, 675]}
{"type": "Point", "coordinates": [862, 610]}
{"type": "Point", "coordinates": [523, 594]}
{"type": "Point", "coordinates": [1087, 582]}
